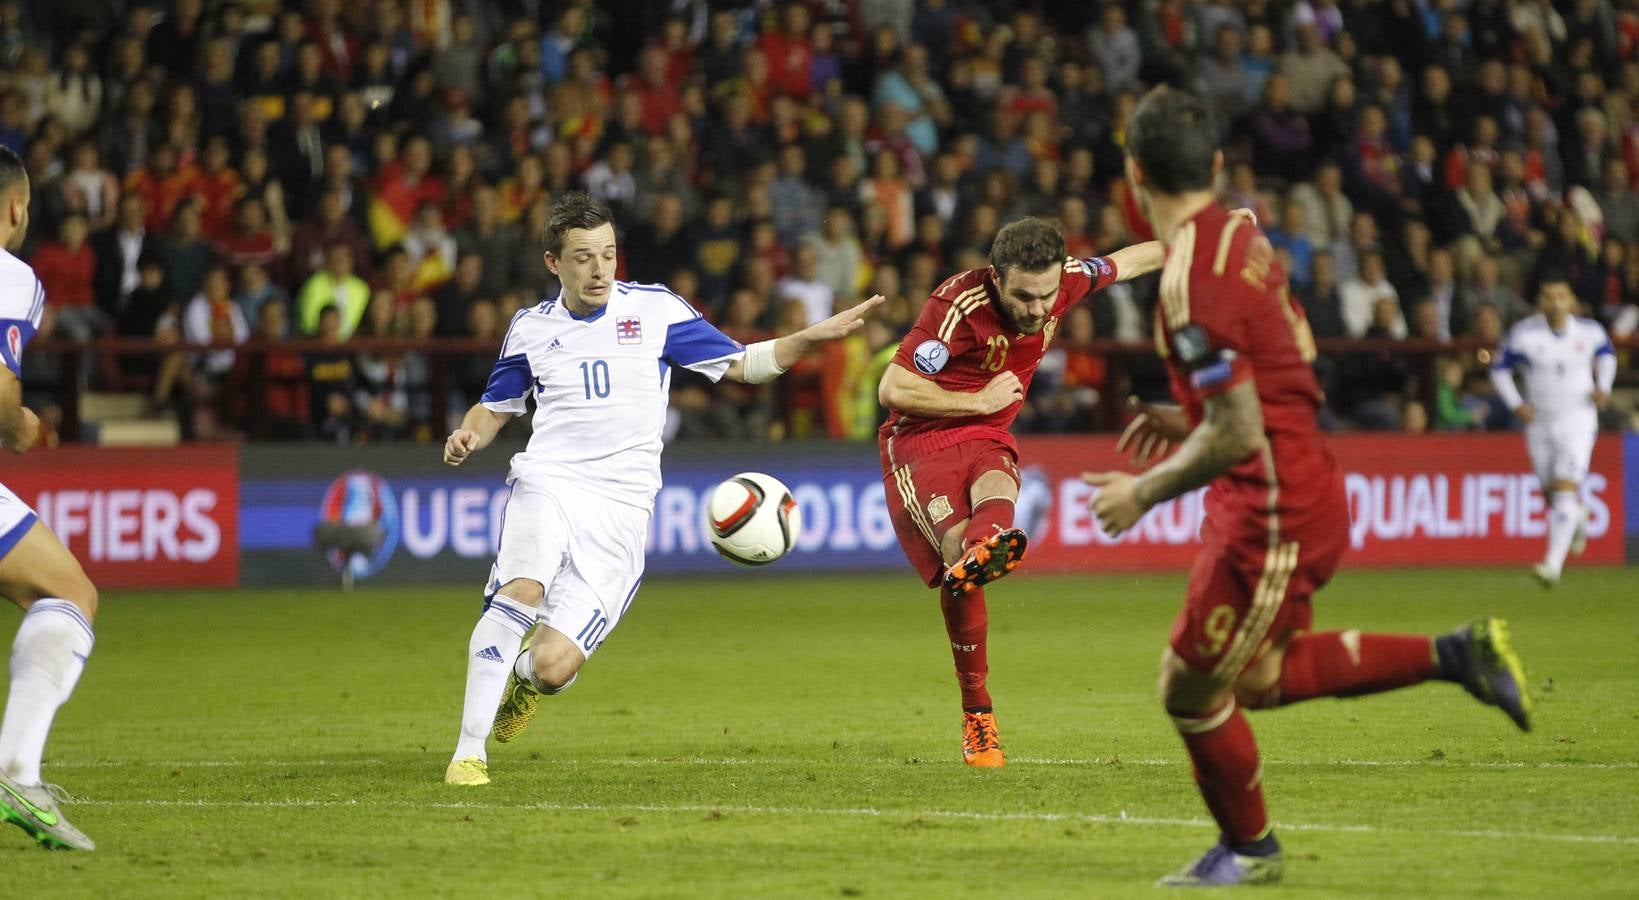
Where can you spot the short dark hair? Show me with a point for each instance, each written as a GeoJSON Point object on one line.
{"type": "Point", "coordinates": [572, 209]}
{"type": "Point", "coordinates": [1029, 245]}
{"type": "Point", "coordinates": [1172, 135]}
{"type": "Point", "coordinates": [12, 170]}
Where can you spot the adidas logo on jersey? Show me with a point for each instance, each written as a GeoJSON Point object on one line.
{"type": "Point", "coordinates": [554, 345]}
{"type": "Point", "coordinates": [490, 653]}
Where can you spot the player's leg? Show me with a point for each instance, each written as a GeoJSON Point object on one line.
{"type": "Point", "coordinates": [924, 497]}
{"type": "Point", "coordinates": [508, 614]}
{"type": "Point", "coordinates": [1478, 656]}
{"type": "Point", "coordinates": [1226, 617]}
{"type": "Point", "coordinates": [989, 547]}
{"type": "Point", "coordinates": [1570, 449]}
{"type": "Point", "coordinates": [532, 546]}
{"type": "Point", "coordinates": [599, 580]}
{"type": "Point", "coordinates": [48, 655]}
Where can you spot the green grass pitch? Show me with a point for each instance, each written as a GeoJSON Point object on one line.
{"type": "Point", "coordinates": [784, 736]}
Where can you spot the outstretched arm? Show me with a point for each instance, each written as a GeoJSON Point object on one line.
{"type": "Point", "coordinates": [774, 357]}
{"type": "Point", "coordinates": [1139, 259]}
{"type": "Point", "coordinates": [478, 428]}
{"type": "Point", "coordinates": [1230, 429]}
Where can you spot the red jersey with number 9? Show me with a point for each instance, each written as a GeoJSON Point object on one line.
{"type": "Point", "coordinates": [961, 341]}
{"type": "Point", "coordinates": [1225, 318]}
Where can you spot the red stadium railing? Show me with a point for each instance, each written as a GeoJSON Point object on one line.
{"type": "Point", "coordinates": [102, 360]}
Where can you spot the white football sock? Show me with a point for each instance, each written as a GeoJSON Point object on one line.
{"type": "Point", "coordinates": [494, 643]}
{"type": "Point", "coordinates": [46, 660]}
{"type": "Point", "coordinates": [1562, 519]}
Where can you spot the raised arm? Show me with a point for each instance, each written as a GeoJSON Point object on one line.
{"type": "Point", "coordinates": [768, 360]}
{"type": "Point", "coordinates": [1231, 428]}
{"type": "Point", "coordinates": [908, 392]}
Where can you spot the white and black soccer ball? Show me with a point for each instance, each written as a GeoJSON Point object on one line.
{"type": "Point", "coordinates": [753, 519]}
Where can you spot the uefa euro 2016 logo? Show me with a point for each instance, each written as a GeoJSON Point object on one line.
{"type": "Point", "coordinates": [358, 524]}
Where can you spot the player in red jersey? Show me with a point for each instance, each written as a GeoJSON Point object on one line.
{"type": "Point", "coordinates": [1237, 348]}
{"type": "Point", "coordinates": [949, 463]}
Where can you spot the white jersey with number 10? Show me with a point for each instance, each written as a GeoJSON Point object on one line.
{"type": "Point", "coordinates": [601, 385]}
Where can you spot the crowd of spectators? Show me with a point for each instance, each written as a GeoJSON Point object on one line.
{"type": "Point", "coordinates": [217, 171]}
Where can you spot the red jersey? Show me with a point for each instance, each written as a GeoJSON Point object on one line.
{"type": "Point", "coordinates": [1225, 318]}
{"type": "Point", "coordinates": [960, 342]}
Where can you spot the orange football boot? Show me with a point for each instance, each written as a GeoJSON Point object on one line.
{"type": "Point", "coordinates": [981, 745]}
{"type": "Point", "coordinates": [986, 560]}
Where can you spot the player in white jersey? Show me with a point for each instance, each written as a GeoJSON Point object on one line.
{"type": "Point", "coordinates": [598, 359]}
{"type": "Point", "coordinates": [36, 571]}
{"type": "Point", "coordinates": [1569, 366]}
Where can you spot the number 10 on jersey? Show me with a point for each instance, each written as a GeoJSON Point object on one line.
{"type": "Point", "coordinates": [595, 377]}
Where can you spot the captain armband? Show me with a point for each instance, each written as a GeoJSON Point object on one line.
{"type": "Point", "coordinates": [1209, 366]}
{"type": "Point", "coordinates": [760, 365]}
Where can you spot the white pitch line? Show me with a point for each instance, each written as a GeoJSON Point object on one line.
{"type": "Point", "coordinates": [1121, 818]}
{"type": "Point", "coordinates": [1114, 762]}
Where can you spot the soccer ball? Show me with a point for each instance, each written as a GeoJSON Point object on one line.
{"type": "Point", "coordinates": [753, 519]}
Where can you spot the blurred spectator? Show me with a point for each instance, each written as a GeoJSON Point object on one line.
{"type": "Point", "coordinates": [1486, 289]}
{"type": "Point", "coordinates": [1359, 299]}
{"type": "Point", "coordinates": [280, 411]}
{"type": "Point", "coordinates": [67, 269]}
{"type": "Point", "coordinates": [333, 287]}
{"type": "Point", "coordinates": [1449, 314]}
{"type": "Point", "coordinates": [838, 258]}
{"type": "Point", "coordinates": [805, 286]}
{"type": "Point", "coordinates": [185, 252]}
{"type": "Point", "coordinates": [212, 317]}
{"type": "Point", "coordinates": [149, 301]}
{"type": "Point", "coordinates": [1114, 47]}
{"type": "Point", "coordinates": [1322, 301]}
{"type": "Point", "coordinates": [163, 184]}
{"type": "Point", "coordinates": [1222, 78]}
{"type": "Point", "coordinates": [89, 189]}
{"type": "Point", "coordinates": [798, 207]}
{"type": "Point", "coordinates": [453, 300]}
{"type": "Point", "coordinates": [494, 242]}
{"type": "Point", "coordinates": [331, 380]}
{"type": "Point", "coordinates": [250, 241]}
{"type": "Point", "coordinates": [1280, 141]}
{"type": "Point", "coordinates": [257, 290]}
{"type": "Point", "coordinates": [656, 249]}
{"type": "Point", "coordinates": [1618, 202]}
{"type": "Point", "coordinates": [430, 248]}
{"type": "Point", "coordinates": [1310, 67]}
{"type": "Point", "coordinates": [329, 227]}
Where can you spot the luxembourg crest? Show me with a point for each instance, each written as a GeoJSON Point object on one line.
{"type": "Point", "coordinates": [628, 330]}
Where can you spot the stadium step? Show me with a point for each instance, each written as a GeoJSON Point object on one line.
{"type": "Point", "coordinates": [158, 432]}
{"type": "Point", "coordinates": [102, 406]}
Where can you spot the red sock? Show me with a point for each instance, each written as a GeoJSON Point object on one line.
{"type": "Point", "coordinates": [993, 514]}
{"type": "Point", "coordinates": [967, 621]}
{"type": "Point", "coordinates": [1348, 664]}
{"type": "Point", "coordinates": [1228, 771]}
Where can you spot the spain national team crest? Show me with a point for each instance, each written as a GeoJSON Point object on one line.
{"type": "Point", "coordinates": [939, 509]}
{"type": "Point", "coordinates": [628, 330]}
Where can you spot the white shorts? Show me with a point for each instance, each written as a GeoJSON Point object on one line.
{"type": "Point", "coordinates": [1561, 449]}
{"type": "Point", "coordinates": [585, 550]}
{"type": "Point", "coordinates": [16, 518]}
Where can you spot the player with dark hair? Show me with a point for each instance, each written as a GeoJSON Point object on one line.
{"type": "Point", "coordinates": [597, 360]}
{"type": "Point", "coordinates": [949, 463]}
{"type": "Point", "coordinates": [37, 572]}
{"type": "Point", "coordinates": [1237, 349]}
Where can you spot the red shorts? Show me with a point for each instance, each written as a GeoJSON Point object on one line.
{"type": "Point", "coordinates": [1245, 596]}
{"type": "Point", "coordinates": [928, 494]}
